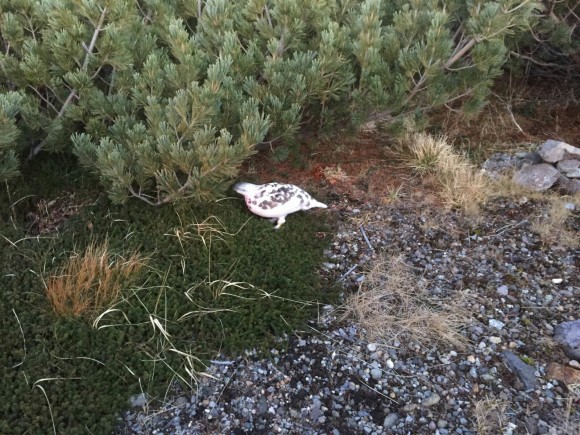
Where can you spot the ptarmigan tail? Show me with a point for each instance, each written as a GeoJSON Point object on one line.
{"type": "Point", "coordinates": [245, 188]}
{"type": "Point", "coordinates": [315, 203]}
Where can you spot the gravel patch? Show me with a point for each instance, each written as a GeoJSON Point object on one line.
{"type": "Point", "coordinates": [331, 380]}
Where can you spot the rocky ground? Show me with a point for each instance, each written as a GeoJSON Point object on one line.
{"type": "Point", "coordinates": [510, 378]}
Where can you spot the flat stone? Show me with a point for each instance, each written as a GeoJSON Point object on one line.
{"type": "Point", "coordinates": [525, 372]}
{"type": "Point", "coordinates": [537, 177]}
{"type": "Point", "coordinates": [569, 166]}
{"type": "Point", "coordinates": [568, 335]}
{"type": "Point", "coordinates": [566, 374]}
{"type": "Point", "coordinates": [499, 164]}
{"type": "Point", "coordinates": [390, 420]}
{"type": "Point", "coordinates": [553, 151]}
{"type": "Point", "coordinates": [433, 399]}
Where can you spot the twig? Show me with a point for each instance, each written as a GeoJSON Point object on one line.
{"type": "Point", "coordinates": [222, 363]}
{"type": "Point", "coordinates": [73, 93]}
{"type": "Point", "coordinates": [362, 230]}
{"type": "Point", "coordinates": [509, 108]}
{"type": "Point", "coordinates": [507, 227]}
{"type": "Point", "coordinates": [348, 272]}
{"type": "Point", "coordinates": [23, 339]}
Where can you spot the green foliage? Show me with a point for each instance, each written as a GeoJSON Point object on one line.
{"type": "Point", "coordinates": [9, 133]}
{"type": "Point", "coordinates": [164, 100]}
{"type": "Point", "coordinates": [552, 46]}
{"type": "Point", "coordinates": [184, 304]}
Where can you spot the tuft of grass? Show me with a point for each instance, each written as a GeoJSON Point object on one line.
{"type": "Point", "coordinates": [334, 174]}
{"type": "Point", "coordinates": [551, 225]}
{"type": "Point", "coordinates": [462, 184]}
{"type": "Point", "coordinates": [392, 304]}
{"type": "Point", "coordinates": [422, 152]}
{"type": "Point", "coordinates": [91, 281]}
{"type": "Point", "coordinates": [490, 415]}
{"type": "Point", "coordinates": [394, 195]}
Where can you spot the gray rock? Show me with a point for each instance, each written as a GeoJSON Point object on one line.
{"type": "Point", "coordinates": [553, 151]}
{"type": "Point", "coordinates": [390, 420]}
{"type": "Point", "coordinates": [568, 186]}
{"type": "Point", "coordinates": [138, 400]}
{"type": "Point", "coordinates": [532, 158]}
{"type": "Point", "coordinates": [180, 402]}
{"type": "Point", "coordinates": [569, 167]}
{"type": "Point", "coordinates": [433, 399]}
{"type": "Point", "coordinates": [376, 373]}
{"type": "Point", "coordinates": [525, 372]}
{"type": "Point", "coordinates": [537, 177]}
{"type": "Point", "coordinates": [568, 335]}
{"type": "Point", "coordinates": [498, 164]}
{"type": "Point", "coordinates": [502, 290]}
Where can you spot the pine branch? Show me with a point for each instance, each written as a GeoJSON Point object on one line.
{"type": "Point", "coordinates": [73, 93]}
{"type": "Point", "coordinates": [454, 58]}
{"type": "Point", "coordinates": [461, 52]}
{"type": "Point", "coordinates": [43, 98]}
{"type": "Point", "coordinates": [142, 197]}
{"type": "Point", "coordinates": [268, 16]}
{"type": "Point", "coordinates": [9, 83]}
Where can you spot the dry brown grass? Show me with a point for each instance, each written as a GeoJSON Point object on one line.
{"type": "Point", "coordinates": [335, 174]}
{"type": "Point", "coordinates": [568, 420]}
{"type": "Point", "coordinates": [392, 304]}
{"type": "Point", "coordinates": [91, 281]}
{"type": "Point", "coordinates": [462, 184]}
{"type": "Point", "coordinates": [490, 416]}
{"type": "Point", "coordinates": [422, 152]}
{"type": "Point", "coordinates": [551, 227]}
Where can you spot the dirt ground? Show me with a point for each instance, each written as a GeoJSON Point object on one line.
{"type": "Point", "coordinates": [364, 168]}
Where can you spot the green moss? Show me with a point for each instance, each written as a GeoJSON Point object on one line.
{"type": "Point", "coordinates": [527, 360]}
{"type": "Point", "coordinates": [88, 374]}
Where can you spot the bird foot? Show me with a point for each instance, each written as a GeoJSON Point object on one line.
{"type": "Point", "coordinates": [280, 223]}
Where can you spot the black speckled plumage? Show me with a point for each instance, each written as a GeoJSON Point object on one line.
{"type": "Point", "coordinates": [276, 200]}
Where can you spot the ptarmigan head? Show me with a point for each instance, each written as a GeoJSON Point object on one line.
{"type": "Point", "coordinates": [275, 200]}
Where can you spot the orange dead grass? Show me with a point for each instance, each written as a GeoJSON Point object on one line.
{"type": "Point", "coordinates": [91, 280]}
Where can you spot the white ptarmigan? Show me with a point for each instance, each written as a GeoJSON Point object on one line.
{"type": "Point", "coordinates": [276, 200]}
